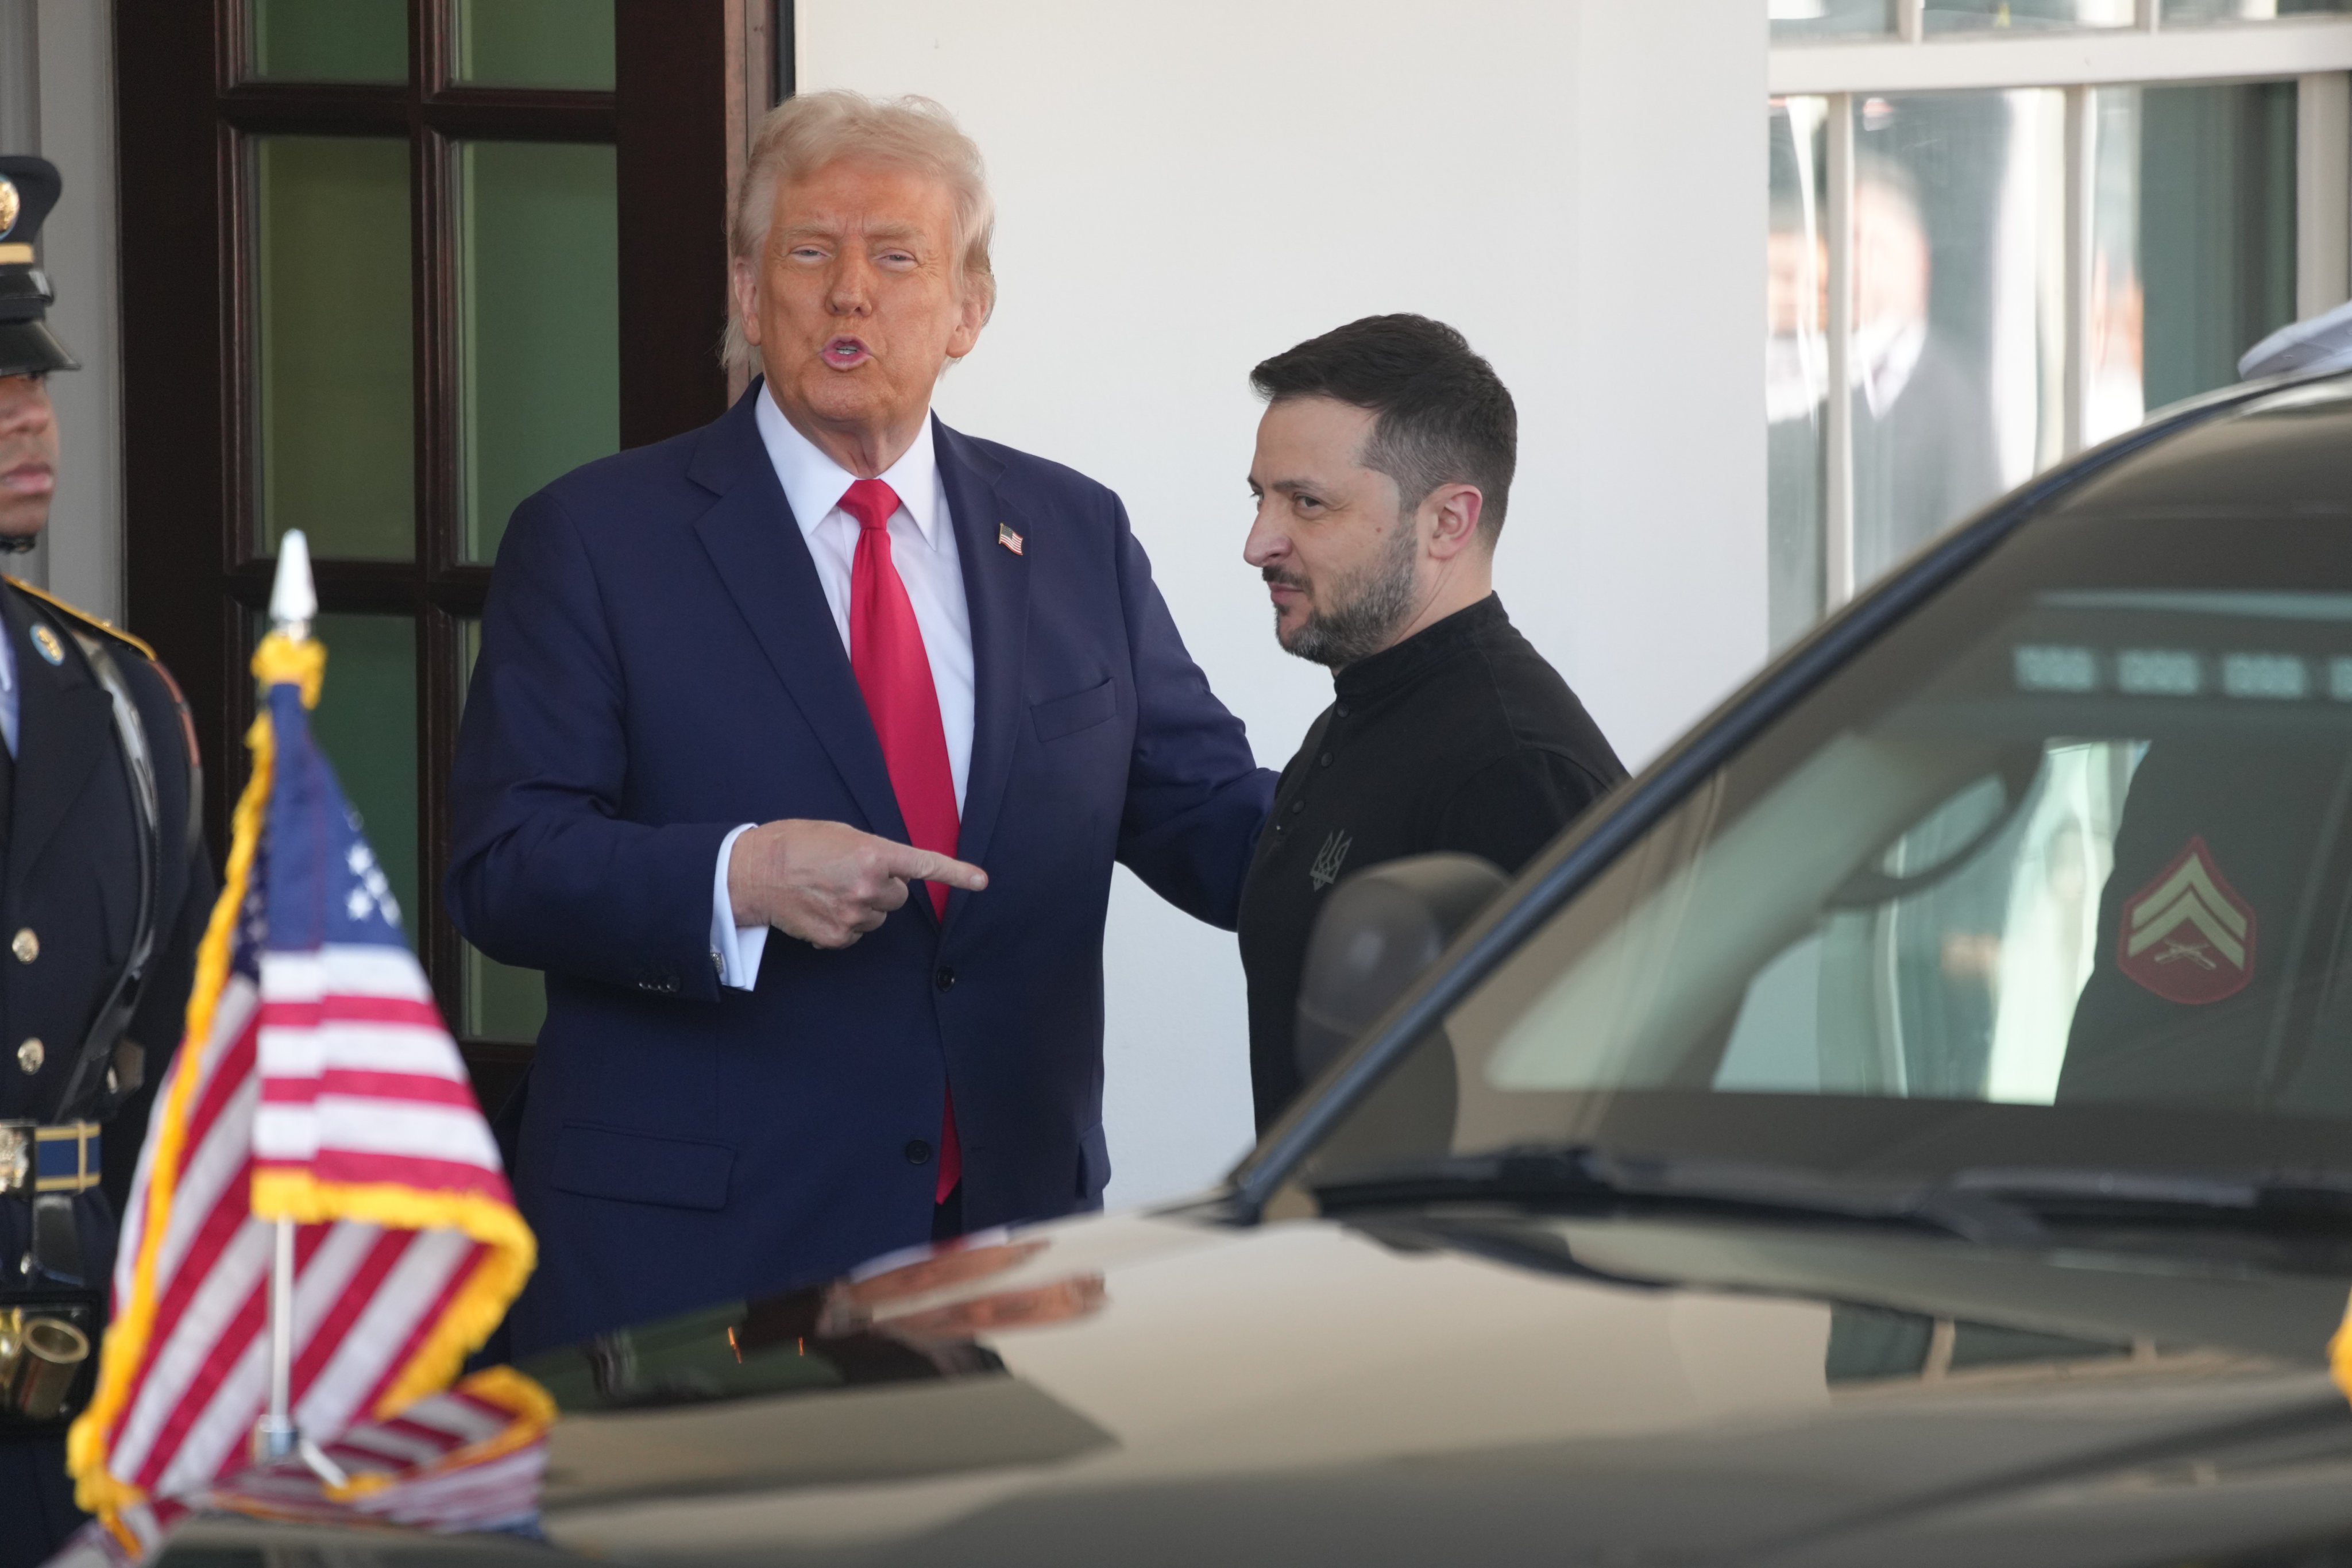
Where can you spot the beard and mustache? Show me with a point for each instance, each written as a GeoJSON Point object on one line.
{"type": "Point", "coordinates": [1367, 605]}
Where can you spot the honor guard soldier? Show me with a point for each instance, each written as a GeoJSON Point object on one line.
{"type": "Point", "coordinates": [105, 886]}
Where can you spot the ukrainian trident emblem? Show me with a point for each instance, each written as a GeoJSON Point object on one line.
{"type": "Point", "coordinates": [1328, 859]}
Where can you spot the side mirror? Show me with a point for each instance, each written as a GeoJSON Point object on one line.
{"type": "Point", "coordinates": [1380, 931]}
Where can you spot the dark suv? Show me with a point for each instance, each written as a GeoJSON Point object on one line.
{"type": "Point", "coordinates": [1911, 1123]}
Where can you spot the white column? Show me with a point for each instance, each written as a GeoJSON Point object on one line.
{"type": "Point", "coordinates": [20, 133]}
{"type": "Point", "coordinates": [1837, 425]}
{"type": "Point", "coordinates": [2082, 166]}
{"type": "Point", "coordinates": [2322, 193]}
{"type": "Point", "coordinates": [84, 544]}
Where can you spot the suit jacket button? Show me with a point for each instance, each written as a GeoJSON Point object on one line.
{"type": "Point", "coordinates": [918, 1153]}
{"type": "Point", "coordinates": [945, 979]}
{"type": "Point", "coordinates": [27, 946]}
{"type": "Point", "coordinates": [30, 1055]}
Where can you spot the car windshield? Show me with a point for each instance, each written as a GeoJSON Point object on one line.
{"type": "Point", "coordinates": [2056, 873]}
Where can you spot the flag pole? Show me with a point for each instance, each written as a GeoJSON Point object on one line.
{"type": "Point", "coordinates": [293, 601]}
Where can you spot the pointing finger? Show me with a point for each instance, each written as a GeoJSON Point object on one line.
{"type": "Point", "coordinates": [927, 865]}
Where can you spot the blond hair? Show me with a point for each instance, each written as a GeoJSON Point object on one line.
{"type": "Point", "coordinates": [808, 131]}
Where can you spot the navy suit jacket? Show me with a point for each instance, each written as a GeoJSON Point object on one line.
{"type": "Point", "coordinates": [658, 665]}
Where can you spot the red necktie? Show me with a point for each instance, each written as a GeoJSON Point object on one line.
{"type": "Point", "coordinates": [886, 651]}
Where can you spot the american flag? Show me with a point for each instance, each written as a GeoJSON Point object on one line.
{"type": "Point", "coordinates": [471, 1458]}
{"type": "Point", "coordinates": [315, 1082]}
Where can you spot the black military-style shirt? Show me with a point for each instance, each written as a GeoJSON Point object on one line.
{"type": "Point", "coordinates": [1459, 738]}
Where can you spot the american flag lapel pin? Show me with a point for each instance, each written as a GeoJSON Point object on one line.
{"type": "Point", "coordinates": [1007, 538]}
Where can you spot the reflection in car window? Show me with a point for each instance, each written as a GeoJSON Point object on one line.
{"type": "Point", "coordinates": [2057, 872]}
{"type": "Point", "coordinates": [1966, 985]}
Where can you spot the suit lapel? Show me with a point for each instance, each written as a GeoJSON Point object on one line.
{"type": "Point", "coordinates": [753, 540]}
{"type": "Point", "coordinates": [65, 725]}
{"type": "Point", "coordinates": [996, 589]}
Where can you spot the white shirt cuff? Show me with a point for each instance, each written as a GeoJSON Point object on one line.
{"type": "Point", "coordinates": [734, 950]}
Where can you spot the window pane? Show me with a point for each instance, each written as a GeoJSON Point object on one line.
{"type": "Point", "coordinates": [330, 40]}
{"type": "Point", "coordinates": [2197, 13]}
{"type": "Point", "coordinates": [503, 1003]}
{"type": "Point", "coordinates": [331, 309]}
{"type": "Point", "coordinates": [1799, 19]}
{"type": "Point", "coordinates": [2193, 240]}
{"type": "Point", "coordinates": [541, 321]}
{"type": "Point", "coordinates": [535, 43]}
{"type": "Point", "coordinates": [1796, 363]}
{"type": "Point", "coordinates": [366, 724]}
{"type": "Point", "coordinates": [2025, 15]}
{"type": "Point", "coordinates": [1958, 232]}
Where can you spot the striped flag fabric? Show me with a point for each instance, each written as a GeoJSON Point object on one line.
{"type": "Point", "coordinates": [316, 1082]}
{"type": "Point", "coordinates": [471, 1458]}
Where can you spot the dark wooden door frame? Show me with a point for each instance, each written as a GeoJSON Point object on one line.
{"type": "Point", "coordinates": [194, 579]}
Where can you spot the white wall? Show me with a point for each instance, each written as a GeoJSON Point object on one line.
{"type": "Point", "coordinates": [1578, 185]}
{"type": "Point", "coordinates": [83, 544]}
{"type": "Point", "coordinates": [57, 99]}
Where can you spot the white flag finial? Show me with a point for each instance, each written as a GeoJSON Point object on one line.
{"type": "Point", "coordinates": [292, 598]}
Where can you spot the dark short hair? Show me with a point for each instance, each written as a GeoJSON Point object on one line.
{"type": "Point", "coordinates": [1445, 418]}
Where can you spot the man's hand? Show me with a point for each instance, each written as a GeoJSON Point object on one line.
{"type": "Point", "coordinates": [829, 884]}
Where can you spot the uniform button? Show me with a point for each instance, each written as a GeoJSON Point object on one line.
{"type": "Point", "coordinates": [1343, 710]}
{"type": "Point", "coordinates": [30, 1055]}
{"type": "Point", "coordinates": [27, 946]}
{"type": "Point", "coordinates": [918, 1152]}
{"type": "Point", "coordinates": [1297, 807]}
{"type": "Point", "coordinates": [945, 981]}
{"type": "Point", "coordinates": [1323, 761]}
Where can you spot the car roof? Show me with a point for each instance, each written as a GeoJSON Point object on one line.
{"type": "Point", "coordinates": [2265, 451]}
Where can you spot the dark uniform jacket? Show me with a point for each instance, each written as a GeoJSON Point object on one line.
{"type": "Point", "coordinates": [69, 867]}
{"type": "Point", "coordinates": [68, 910]}
{"type": "Point", "coordinates": [1460, 738]}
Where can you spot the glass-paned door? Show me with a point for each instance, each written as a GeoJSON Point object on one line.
{"type": "Point", "coordinates": [424, 210]}
{"type": "Point", "coordinates": [481, 261]}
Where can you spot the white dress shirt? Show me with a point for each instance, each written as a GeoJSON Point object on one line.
{"type": "Point", "coordinates": [923, 549]}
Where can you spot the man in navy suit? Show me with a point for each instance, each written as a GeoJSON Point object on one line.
{"type": "Point", "coordinates": [798, 756]}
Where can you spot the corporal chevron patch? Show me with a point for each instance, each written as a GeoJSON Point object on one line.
{"type": "Point", "coordinates": [2188, 936]}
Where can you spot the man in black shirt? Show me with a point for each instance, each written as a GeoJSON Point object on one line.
{"type": "Point", "coordinates": [1384, 466]}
